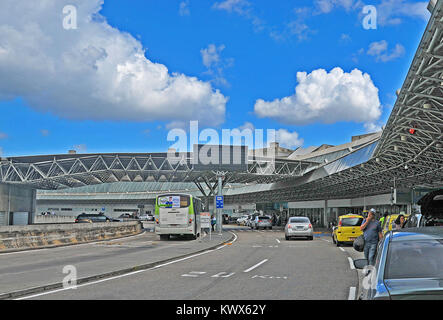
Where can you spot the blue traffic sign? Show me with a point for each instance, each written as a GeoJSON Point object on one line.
{"type": "Point", "coordinates": [219, 202]}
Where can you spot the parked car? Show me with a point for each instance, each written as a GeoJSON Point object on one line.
{"type": "Point", "coordinates": [348, 229]}
{"type": "Point", "coordinates": [261, 222]}
{"type": "Point", "coordinates": [242, 220]}
{"type": "Point", "coordinates": [409, 265]}
{"type": "Point", "coordinates": [299, 227]}
{"type": "Point", "coordinates": [390, 222]}
{"type": "Point", "coordinates": [125, 217]}
{"type": "Point", "coordinates": [146, 217]}
{"type": "Point", "coordinates": [90, 218]}
{"type": "Point", "coordinates": [248, 221]}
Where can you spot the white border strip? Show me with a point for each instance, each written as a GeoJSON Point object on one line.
{"type": "Point", "coordinates": [351, 263]}
{"type": "Point", "coordinates": [352, 291]}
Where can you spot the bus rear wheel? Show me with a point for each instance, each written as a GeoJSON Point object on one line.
{"type": "Point", "coordinates": [164, 237]}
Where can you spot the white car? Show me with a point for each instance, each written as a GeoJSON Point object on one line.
{"type": "Point", "coordinates": [146, 217]}
{"type": "Point", "coordinates": [242, 220]}
{"type": "Point", "coordinates": [299, 227]}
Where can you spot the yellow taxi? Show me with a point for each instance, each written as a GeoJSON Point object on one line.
{"type": "Point", "coordinates": [348, 229]}
{"type": "Point", "coordinates": [390, 221]}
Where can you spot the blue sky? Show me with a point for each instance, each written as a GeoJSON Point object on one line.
{"type": "Point", "coordinates": [227, 63]}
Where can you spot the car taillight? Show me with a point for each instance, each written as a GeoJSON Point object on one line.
{"type": "Point", "coordinates": [289, 225]}
{"type": "Point", "coordinates": [190, 220]}
{"type": "Point", "coordinates": [310, 226]}
{"type": "Point", "coordinates": [156, 221]}
{"type": "Point", "coordinates": [76, 220]}
{"type": "Point", "coordinates": [339, 224]}
{"type": "Point", "coordinates": [259, 220]}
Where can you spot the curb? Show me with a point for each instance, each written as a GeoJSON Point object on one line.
{"type": "Point", "coordinates": [59, 285]}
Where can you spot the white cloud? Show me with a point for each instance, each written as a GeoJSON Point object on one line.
{"type": "Point", "coordinates": [247, 125]}
{"type": "Point", "coordinates": [288, 139]}
{"type": "Point", "coordinates": [380, 51]}
{"type": "Point", "coordinates": [184, 8]}
{"type": "Point", "coordinates": [1, 152]}
{"type": "Point", "coordinates": [326, 6]}
{"type": "Point", "coordinates": [326, 98]}
{"type": "Point", "coordinates": [177, 125]}
{"type": "Point", "coordinates": [80, 148]}
{"type": "Point", "coordinates": [95, 72]}
{"type": "Point", "coordinates": [3, 135]}
{"type": "Point", "coordinates": [390, 12]}
{"type": "Point", "coordinates": [372, 127]}
{"type": "Point", "coordinates": [212, 60]}
{"type": "Point", "coordinates": [44, 132]}
{"type": "Point", "coordinates": [241, 7]}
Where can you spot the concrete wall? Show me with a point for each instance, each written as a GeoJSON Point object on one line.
{"type": "Point", "coordinates": [16, 198]}
{"type": "Point", "coordinates": [39, 219]}
{"type": "Point", "coordinates": [111, 210]}
{"type": "Point", "coordinates": [15, 238]}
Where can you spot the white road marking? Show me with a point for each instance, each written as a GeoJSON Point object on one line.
{"type": "Point", "coordinates": [268, 277]}
{"type": "Point", "coordinates": [278, 240]}
{"type": "Point", "coordinates": [255, 266]}
{"type": "Point", "coordinates": [342, 249]}
{"type": "Point", "coordinates": [352, 291]}
{"type": "Point", "coordinates": [351, 263]}
{"type": "Point", "coordinates": [193, 274]}
{"type": "Point", "coordinates": [222, 275]}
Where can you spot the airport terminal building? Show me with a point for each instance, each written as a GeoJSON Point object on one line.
{"type": "Point", "coordinates": [117, 198]}
{"type": "Point", "coordinates": [388, 170]}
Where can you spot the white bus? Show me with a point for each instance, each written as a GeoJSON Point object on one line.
{"type": "Point", "coordinates": [177, 214]}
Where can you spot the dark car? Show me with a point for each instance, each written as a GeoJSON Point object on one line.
{"type": "Point", "coordinates": [90, 218]}
{"type": "Point", "coordinates": [409, 265]}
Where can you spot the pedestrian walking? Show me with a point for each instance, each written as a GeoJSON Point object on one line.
{"type": "Point", "coordinates": [383, 219]}
{"type": "Point", "coordinates": [372, 233]}
{"type": "Point", "coordinates": [213, 222]}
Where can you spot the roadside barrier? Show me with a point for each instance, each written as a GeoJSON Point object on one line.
{"type": "Point", "coordinates": [18, 238]}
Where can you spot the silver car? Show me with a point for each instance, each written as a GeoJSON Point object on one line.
{"type": "Point", "coordinates": [299, 227]}
{"type": "Point", "coordinates": [261, 222]}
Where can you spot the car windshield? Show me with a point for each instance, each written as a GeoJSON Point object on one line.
{"type": "Point", "coordinates": [415, 259]}
{"type": "Point", "coordinates": [299, 220]}
{"type": "Point", "coordinates": [263, 218]}
{"type": "Point", "coordinates": [351, 222]}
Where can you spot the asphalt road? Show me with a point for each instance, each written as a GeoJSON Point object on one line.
{"type": "Point", "coordinates": [258, 265]}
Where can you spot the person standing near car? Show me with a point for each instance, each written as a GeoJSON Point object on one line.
{"type": "Point", "coordinates": [372, 233]}
{"type": "Point", "coordinates": [400, 222]}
